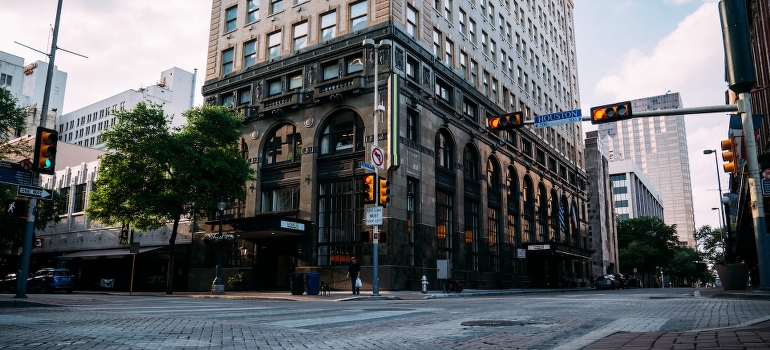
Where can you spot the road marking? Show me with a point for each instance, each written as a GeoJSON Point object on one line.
{"type": "Point", "coordinates": [620, 325]}
{"type": "Point", "coordinates": [348, 318]}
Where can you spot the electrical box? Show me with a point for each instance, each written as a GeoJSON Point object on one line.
{"type": "Point", "coordinates": [443, 269]}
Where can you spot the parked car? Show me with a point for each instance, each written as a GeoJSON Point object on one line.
{"type": "Point", "coordinates": [632, 281]}
{"type": "Point", "coordinates": [50, 279]}
{"type": "Point", "coordinates": [622, 281]}
{"type": "Point", "coordinates": [8, 283]}
{"type": "Point", "coordinates": [606, 282]}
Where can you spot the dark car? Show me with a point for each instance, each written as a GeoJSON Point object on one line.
{"type": "Point", "coordinates": [622, 281]}
{"type": "Point", "coordinates": [606, 282]}
{"type": "Point", "coordinates": [632, 281]}
{"type": "Point", "coordinates": [8, 283]}
{"type": "Point", "coordinates": [50, 279]}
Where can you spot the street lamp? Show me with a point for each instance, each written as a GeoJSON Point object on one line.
{"type": "Point", "coordinates": [719, 183]}
{"type": "Point", "coordinates": [219, 285]}
{"type": "Point", "coordinates": [369, 44]}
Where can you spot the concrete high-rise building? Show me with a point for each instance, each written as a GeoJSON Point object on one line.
{"type": "Point", "coordinates": [658, 145]}
{"type": "Point", "coordinates": [175, 91]}
{"type": "Point", "coordinates": [602, 222]}
{"type": "Point", "coordinates": [304, 80]}
{"type": "Point", "coordinates": [633, 193]}
{"type": "Point", "coordinates": [27, 84]}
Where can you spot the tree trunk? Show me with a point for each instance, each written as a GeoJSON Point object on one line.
{"type": "Point", "coordinates": [171, 249]}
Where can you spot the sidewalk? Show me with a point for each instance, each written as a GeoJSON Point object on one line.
{"type": "Point", "coordinates": [749, 335]}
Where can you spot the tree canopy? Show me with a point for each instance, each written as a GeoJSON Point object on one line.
{"type": "Point", "coordinates": [645, 242]}
{"type": "Point", "coordinates": [154, 174]}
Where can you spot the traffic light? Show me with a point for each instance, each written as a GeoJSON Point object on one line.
{"type": "Point", "coordinates": [611, 113]}
{"type": "Point", "coordinates": [728, 155]}
{"type": "Point", "coordinates": [45, 150]}
{"type": "Point", "coordinates": [384, 192]}
{"type": "Point", "coordinates": [506, 121]}
{"type": "Point", "coordinates": [369, 189]}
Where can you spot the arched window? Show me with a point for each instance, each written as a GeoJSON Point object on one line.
{"type": "Point", "coordinates": [557, 217]}
{"type": "Point", "coordinates": [283, 145]}
{"type": "Point", "coordinates": [493, 174]}
{"type": "Point", "coordinates": [470, 164]}
{"type": "Point", "coordinates": [344, 133]}
{"type": "Point", "coordinates": [542, 213]}
{"type": "Point", "coordinates": [444, 151]}
{"type": "Point", "coordinates": [529, 210]}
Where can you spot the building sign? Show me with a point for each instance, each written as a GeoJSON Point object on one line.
{"type": "Point", "coordinates": [28, 69]}
{"type": "Point", "coordinates": [539, 247]}
{"type": "Point", "coordinates": [292, 225]}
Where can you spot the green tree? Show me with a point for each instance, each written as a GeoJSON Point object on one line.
{"type": "Point", "coordinates": [156, 174]}
{"type": "Point", "coordinates": [711, 244]}
{"type": "Point", "coordinates": [12, 118]}
{"type": "Point", "coordinates": [644, 243]}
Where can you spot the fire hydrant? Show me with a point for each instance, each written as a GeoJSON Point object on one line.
{"type": "Point", "coordinates": [424, 284]}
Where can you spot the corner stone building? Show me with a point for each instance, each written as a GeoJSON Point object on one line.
{"type": "Point", "coordinates": [299, 72]}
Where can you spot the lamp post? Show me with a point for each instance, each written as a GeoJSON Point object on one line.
{"type": "Point", "coordinates": [219, 285]}
{"type": "Point", "coordinates": [719, 183]}
{"type": "Point", "coordinates": [369, 44]}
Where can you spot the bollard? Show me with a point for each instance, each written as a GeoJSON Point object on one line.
{"type": "Point", "coordinates": [424, 284]}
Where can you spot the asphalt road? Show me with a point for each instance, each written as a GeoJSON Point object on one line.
{"type": "Point", "coordinates": [567, 320]}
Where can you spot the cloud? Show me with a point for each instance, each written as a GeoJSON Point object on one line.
{"type": "Point", "coordinates": [690, 60]}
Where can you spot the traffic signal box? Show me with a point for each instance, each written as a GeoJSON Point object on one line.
{"type": "Point", "coordinates": [729, 155]}
{"type": "Point", "coordinates": [611, 113]}
{"type": "Point", "coordinates": [506, 121]}
{"type": "Point", "coordinates": [384, 191]}
{"type": "Point", "coordinates": [45, 151]}
{"type": "Point", "coordinates": [369, 189]}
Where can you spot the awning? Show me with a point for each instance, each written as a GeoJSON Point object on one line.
{"type": "Point", "coordinates": [264, 225]}
{"type": "Point", "coordinates": [106, 253]}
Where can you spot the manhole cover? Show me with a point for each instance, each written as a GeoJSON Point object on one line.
{"type": "Point", "coordinates": [493, 323]}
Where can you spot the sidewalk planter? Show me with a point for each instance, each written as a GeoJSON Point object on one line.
{"type": "Point", "coordinates": [733, 276]}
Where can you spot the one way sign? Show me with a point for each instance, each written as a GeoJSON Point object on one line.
{"type": "Point", "coordinates": [34, 192]}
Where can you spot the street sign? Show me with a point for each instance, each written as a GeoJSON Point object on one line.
{"type": "Point", "coordinates": [14, 173]}
{"type": "Point", "coordinates": [765, 188]}
{"type": "Point", "coordinates": [553, 119]}
{"type": "Point", "coordinates": [34, 192]}
{"type": "Point", "coordinates": [367, 166]}
{"type": "Point", "coordinates": [521, 253]}
{"type": "Point", "coordinates": [374, 216]}
{"type": "Point", "coordinates": [378, 157]}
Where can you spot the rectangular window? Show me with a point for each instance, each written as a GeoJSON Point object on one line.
{"type": "Point", "coordinates": [485, 83]}
{"type": "Point", "coordinates": [411, 21]}
{"type": "Point", "coordinates": [328, 25]}
{"type": "Point", "coordinates": [485, 43]}
{"type": "Point", "coordinates": [474, 73]}
{"type": "Point", "coordinates": [464, 64]}
{"type": "Point", "coordinates": [494, 91]}
{"type": "Point", "coordinates": [6, 79]}
{"type": "Point", "coordinates": [448, 10]}
{"type": "Point", "coordinates": [231, 15]}
{"type": "Point", "coordinates": [274, 87]}
{"type": "Point", "coordinates": [358, 15]}
{"type": "Point", "coordinates": [273, 45]}
{"type": "Point", "coordinates": [354, 64]}
{"type": "Point", "coordinates": [436, 43]}
{"type": "Point", "coordinates": [472, 31]}
{"type": "Point", "coordinates": [79, 198]}
{"type": "Point", "coordinates": [295, 81]}
{"type": "Point", "coordinates": [227, 61]}
{"type": "Point", "coordinates": [443, 91]}
{"type": "Point", "coordinates": [331, 71]}
{"type": "Point", "coordinates": [412, 68]}
{"type": "Point", "coordinates": [470, 109]}
{"type": "Point", "coordinates": [253, 9]}
{"type": "Point", "coordinates": [280, 199]}
{"type": "Point", "coordinates": [448, 49]}
{"type": "Point", "coordinates": [492, 50]}
{"type": "Point", "coordinates": [64, 193]}
{"type": "Point", "coordinates": [244, 97]}
{"type": "Point", "coordinates": [300, 35]}
{"type": "Point", "coordinates": [250, 53]}
{"type": "Point", "coordinates": [276, 6]}
{"type": "Point", "coordinates": [463, 20]}
{"type": "Point", "coordinates": [412, 125]}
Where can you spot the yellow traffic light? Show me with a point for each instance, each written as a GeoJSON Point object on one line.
{"type": "Point", "coordinates": [728, 155]}
{"type": "Point", "coordinates": [384, 192]}
{"type": "Point", "coordinates": [44, 161]}
{"type": "Point", "coordinates": [369, 189]}
{"type": "Point", "coordinates": [612, 112]}
{"type": "Point", "coordinates": [506, 121]}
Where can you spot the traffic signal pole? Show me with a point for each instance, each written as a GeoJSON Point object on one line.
{"type": "Point", "coordinates": [757, 202]}
{"type": "Point", "coordinates": [26, 252]}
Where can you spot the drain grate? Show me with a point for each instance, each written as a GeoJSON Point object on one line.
{"type": "Point", "coordinates": [494, 323]}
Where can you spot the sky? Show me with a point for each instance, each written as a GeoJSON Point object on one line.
{"type": "Point", "coordinates": [626, 49]}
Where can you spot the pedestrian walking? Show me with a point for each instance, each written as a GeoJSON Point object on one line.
{"type": "Point", "coordinates": [354, 273]}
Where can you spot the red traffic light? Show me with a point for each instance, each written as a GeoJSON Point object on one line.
{"type": "Point", "coordinates": [612, 112]}
{"type": "Point", "coordinates": [506, 121]}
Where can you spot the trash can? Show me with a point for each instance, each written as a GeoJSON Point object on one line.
{"type": "Point", "coordinates": [312, 283]}
{"type": "Point", "coordinates": [297, 286]}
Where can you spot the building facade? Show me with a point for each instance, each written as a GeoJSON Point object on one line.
{"type": "Point", "coordinates": [505, 209]}
{"type": "Point", "coordinates": [602, 220]}
{"type": "Point", "coordinates": [633, 194]}
{"type": "Point", "coordinates": [27, 84]}
{"type": "Point", "coordinates": [175, 91]}
{"type": "Point", "coordinates": [658, 146]}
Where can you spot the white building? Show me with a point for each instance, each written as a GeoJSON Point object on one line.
{"type": "Point", "coordinates": [27, 84]}
{"type": "Point", "coordinates": [633, 193]}
{"type": "Point", "coordinates": [175, 90]}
